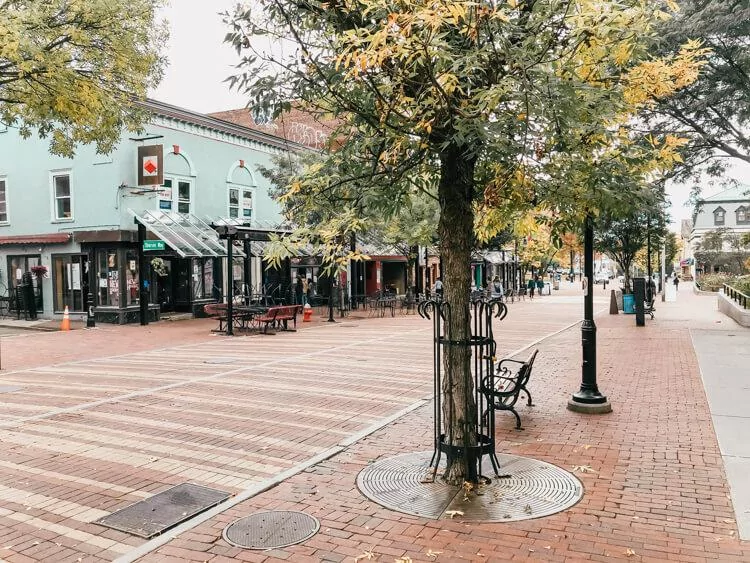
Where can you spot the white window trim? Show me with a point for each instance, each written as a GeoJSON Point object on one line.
{"type": "Point", "coordinates": [176, 178]}
{"type": "Point", "coordinates": [7, 206]}
{"type": "Point", "coordinates": [242, 187]}
{"type": "Point", "coordinates": [62, 172]}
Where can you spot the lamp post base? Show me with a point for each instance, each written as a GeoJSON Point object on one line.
{"type": "Point", "coordinates": [602, 407]}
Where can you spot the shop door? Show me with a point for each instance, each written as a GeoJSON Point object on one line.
{"type": "Point", "coordinates": [164, 281]}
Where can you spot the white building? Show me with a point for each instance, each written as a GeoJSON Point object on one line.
{"type": "Point", "coordinates": [728, 210]}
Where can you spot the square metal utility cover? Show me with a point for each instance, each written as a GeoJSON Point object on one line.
{"type": "Point", "coordinates": [152, 516]}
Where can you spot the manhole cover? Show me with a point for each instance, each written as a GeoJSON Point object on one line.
{"type": "Point", "coordinates": [164, 510]}
{"type": "Point", "coordinates": [9, 389]}
{"type": "Point", "coordinates": [220, 361]}
{"type": "Point", "coordinates": [532, 490]}
{"type": "Point", "coordinates": [270, 530]}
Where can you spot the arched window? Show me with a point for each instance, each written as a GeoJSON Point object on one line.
{"type": "Point", "coordinates": [241, 192]}
{"type": "Point", "coordinates": [240, 202]}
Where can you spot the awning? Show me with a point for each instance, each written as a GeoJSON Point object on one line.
{"type": "Point", "coordinates": [184, 233]}
{"type": "Point", "coordinates": [52, 238]}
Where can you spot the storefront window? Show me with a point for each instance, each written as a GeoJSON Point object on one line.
{"type": "Point", "coordinates": [108, 278]}
{"type": "Point", "coordinates": [203, 278]}
{"type": "Point", "coordinates": [18, 265]}
{"type": "Point", "coordinates": [131, 278]}
{"type": "Point", "coordinates": [70, 281]}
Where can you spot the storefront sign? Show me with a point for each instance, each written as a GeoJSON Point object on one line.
{"type": "Point", "coordinates": [150, 164]}
{"type": "Point", "coordinates": [153, 245]}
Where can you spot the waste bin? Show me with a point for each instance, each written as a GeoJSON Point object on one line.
{"type": "Point", "coordinates": [628, 304]}
{"type": "Point", "coordinates": [556, 283]}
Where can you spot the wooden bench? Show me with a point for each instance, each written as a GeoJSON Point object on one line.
{"type": "Point", "coordinates": [217, 311]}
{"type": "Point", "coordinates": [280, 316]}
{"type": "Point", "coordinates": [503, 387]}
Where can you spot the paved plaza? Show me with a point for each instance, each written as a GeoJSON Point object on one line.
{"type": "Point", "coordinates": [92, 421]}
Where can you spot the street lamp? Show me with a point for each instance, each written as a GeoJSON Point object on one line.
{"type": "Point", "coordinates": [588, 399]}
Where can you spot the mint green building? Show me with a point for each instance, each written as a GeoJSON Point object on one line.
{"type": "Point", "coordinates": [72, 223]}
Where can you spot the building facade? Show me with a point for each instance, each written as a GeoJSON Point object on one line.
{"type": "Point", "coordinates": [726, 214]}
{"type": "Point", "coordinates": [72, 223]}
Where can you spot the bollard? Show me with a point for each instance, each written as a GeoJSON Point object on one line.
{"type": "Point", "coordinates": [90, 318]}
{"type": "Point", "coordinates": [613, 309]}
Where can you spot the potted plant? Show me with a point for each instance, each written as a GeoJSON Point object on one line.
{"type": "Point", "coordinates": [159, 267]}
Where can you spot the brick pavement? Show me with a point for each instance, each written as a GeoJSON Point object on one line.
{"type": "Point", "coordinates": [658, 492]}
{"type": "Point", "coordinates": [107, 417]}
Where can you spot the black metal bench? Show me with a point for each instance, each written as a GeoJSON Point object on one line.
{"type": "Point", "coordinates": [503, 387]}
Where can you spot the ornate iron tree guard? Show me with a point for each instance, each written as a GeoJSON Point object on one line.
{"type": "Point", "coordinates": [483, 347]}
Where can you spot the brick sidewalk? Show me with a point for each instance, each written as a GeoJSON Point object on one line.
{"type": "Point", "coordinates": [658, 494]}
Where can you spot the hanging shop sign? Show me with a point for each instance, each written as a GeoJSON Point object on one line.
{"type": "Point", "coordinates": [150, 165]}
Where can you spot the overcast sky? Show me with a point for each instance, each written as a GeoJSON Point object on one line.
{"type": "Point", "coordinates": [199, 61]}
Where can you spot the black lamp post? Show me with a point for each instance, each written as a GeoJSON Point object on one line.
{"type": "Point", "coordinates": [588, 399]}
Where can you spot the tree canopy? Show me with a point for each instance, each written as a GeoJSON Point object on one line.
{"type": "Point", "coordinates": [73, 70]}
{"type": "Point", "coordinates": [492, 108]}
{"type": "Point", "coordinates": [713, 112]}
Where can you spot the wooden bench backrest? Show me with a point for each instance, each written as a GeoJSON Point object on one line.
{"type": "Point", "coordinates": [215, 308]}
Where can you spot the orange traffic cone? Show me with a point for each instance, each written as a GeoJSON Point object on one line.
{"type": "Point", "coordinates": [65, 324]}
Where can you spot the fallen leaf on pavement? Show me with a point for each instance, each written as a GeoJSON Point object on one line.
{"type": "Point", "coordinates": [583, 469]}
{"type": "Point", "coordinates": [404, 559]}
{"type": "Point", "coordinates": [629, 552]}
{"type": "Point", "coordinates": [367, 555]}
{"type": "Point", "coordinates": [453, 513]}
{"type": "Point", "coordinates": [432, 554]}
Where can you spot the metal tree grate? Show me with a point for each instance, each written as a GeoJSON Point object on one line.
{"type": "Point", "coordinates": [528, 489]}
{"type": "Point", "coordinates": [271, 530]}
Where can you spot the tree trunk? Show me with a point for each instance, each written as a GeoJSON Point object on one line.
{"type": "Point", "coordinates": [456, 236]}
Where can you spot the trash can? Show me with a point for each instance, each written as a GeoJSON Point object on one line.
{"type": "Point", "coordinates": [556, 283]}
{"type": "Point", "coordinates": [628, 304]}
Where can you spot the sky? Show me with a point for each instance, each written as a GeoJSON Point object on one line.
{"type": "Point", "coordinates": [200, 61]}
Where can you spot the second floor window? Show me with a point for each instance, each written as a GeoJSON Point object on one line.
{"type": "Point", "coordinates": [3, 202]}
{"type": "Point", "coordinates": [179, 199]}
{"type": "Point", "coordinates": [743, 215]}
{"type": "Point", "coordinates": [240, 203]}
{"type": "Point", "coordinates": [719, 216]}
{"type": "Point", "coordinates": [63, 202]}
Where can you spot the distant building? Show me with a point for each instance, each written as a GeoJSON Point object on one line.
{"type": "Point", "coordinates": [727, 212]}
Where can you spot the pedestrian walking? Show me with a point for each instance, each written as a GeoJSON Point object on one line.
{"type": "Point", "coordinates": [438, 289]}
{"type": "Point", "coordinates": [305, 291]}
{"type": "Point", "coordinates": [531, 287]}
{"type": "Point", "coordinates": [676, 282]}
{"type": "Point", "coordinates": [298, 291]}
{"type": "Point", "coordinates": [496, 289]}
{"type": "Point", "coordinates": [539, 285]}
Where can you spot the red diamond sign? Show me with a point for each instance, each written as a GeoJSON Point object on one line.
{"type": "Point", "coordinates": [150, 168]}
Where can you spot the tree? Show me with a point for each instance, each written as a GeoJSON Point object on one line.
{"type": "Point", "coordinates": [74, 70]}
{"type": "Point", "coordinates": [622, 235]}
{"type": "Point", "coordinates": [409, 226]}
{"type": "Point", "coordinates": [714, 111]}
{"type": "Point", "coordinates": [488, 106]}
